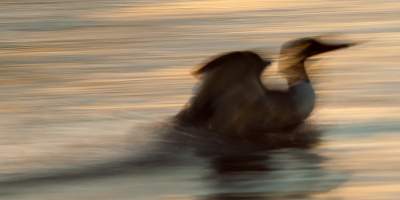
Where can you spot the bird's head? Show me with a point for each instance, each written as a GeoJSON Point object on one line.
{"type": "Point", "coordinates": [310, 46]}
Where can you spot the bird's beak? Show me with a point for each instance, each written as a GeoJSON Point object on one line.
{"type": "Point", "coordinates": [320, 48]}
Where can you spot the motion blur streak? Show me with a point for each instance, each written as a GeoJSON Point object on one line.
{"type": "Point", "coordinates": [83, 85]}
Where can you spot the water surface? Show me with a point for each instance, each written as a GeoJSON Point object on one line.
{"type": "Point", "coordinates": [89, 87]}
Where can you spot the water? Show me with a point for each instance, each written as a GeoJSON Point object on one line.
{"type": "Point", "coordinates": [88, 88]}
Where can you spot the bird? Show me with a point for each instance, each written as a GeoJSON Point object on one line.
{"type": "Point", "coordinates": [232, 99]}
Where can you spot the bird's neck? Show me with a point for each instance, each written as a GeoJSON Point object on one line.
{"type": "Point", "coordinates": [294, 72]}
{"type": "Point", "coordinates": [300, 89]}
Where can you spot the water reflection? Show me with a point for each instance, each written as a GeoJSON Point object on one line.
{"type": "Point", "coordinates": [246, 170]}
{"type": "Point", "coordinates": [236, 177]}
{"type": "Point", "coordinates": [280, 175]}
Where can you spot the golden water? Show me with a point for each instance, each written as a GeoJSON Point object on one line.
{"type": "Point", "coordinates": [82, 83]}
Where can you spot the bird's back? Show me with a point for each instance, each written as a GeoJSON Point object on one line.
{"type": "Point", "coordinates": [229, 92]}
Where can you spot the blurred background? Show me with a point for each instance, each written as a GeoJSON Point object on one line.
{"type": "Point", "coordinates": [84, 82]}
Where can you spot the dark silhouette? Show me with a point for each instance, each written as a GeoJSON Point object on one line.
{"type": "Point", "coordinates": [233, 101]}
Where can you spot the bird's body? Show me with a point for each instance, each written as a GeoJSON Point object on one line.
{"type": "Point", "coordinates": [233, 100]}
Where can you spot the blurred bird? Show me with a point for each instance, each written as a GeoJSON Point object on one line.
{"type": "Point", "coordinates": [233, 100]}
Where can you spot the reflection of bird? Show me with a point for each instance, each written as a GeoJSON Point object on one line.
{"type": "Point", "coordinates": [233, 100]}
